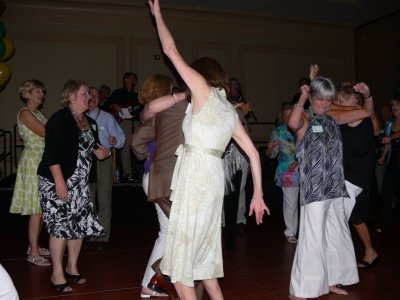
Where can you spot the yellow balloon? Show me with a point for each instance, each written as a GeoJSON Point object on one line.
{"type": "Point", "coordinates": [5, 73]}
{"type": "Point", "coordinates": [10, 48]}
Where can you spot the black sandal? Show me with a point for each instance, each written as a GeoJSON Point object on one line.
{"type": "Point", "coordinates": [61, 287]}
{"type": "Point", "coordinates": [74, 278]}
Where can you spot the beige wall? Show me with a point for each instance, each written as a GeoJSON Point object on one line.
{"type": "Point", "coordinates": [98, 42]}
{"type": "Point", "coordinates": [378, 53]}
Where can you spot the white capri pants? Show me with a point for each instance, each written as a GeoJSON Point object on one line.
{"type": "Point", "coordinates": [7, 288]}
{"type": "Point", "coordinates": [325, 252]}
{"type": "Point", "coordinates": [159, 245]}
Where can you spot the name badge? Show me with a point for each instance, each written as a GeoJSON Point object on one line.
{"type": "Point", "coordinates": [101, 128]}
{"type": "Point", "coordinates": [317, 128]}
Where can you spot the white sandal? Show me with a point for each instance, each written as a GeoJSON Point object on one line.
{"type": "Point", "coordinates": [42, 251]}
{"type": "Point", "coordinates": [39, 261]}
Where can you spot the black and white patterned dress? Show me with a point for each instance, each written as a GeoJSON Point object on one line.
{"type": "Point", "coordinates": [75, 218]}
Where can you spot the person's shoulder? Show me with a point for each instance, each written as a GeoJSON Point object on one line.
{"type": "Point", "coordinates": [107, 116]}
{"type": "Point", "coordinates": [60, 114]}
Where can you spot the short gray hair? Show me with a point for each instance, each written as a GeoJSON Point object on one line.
{"type": "Point", "coordinates": [322, 88]}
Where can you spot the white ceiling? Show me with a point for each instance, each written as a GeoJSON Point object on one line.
{"type": "Point", "coordinates": [347, 12]}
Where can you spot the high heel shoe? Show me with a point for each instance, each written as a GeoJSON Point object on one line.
{"type": "Point", "coordinates": [162, 285]}
{"type": "Point", "coordinates": [366, 265]}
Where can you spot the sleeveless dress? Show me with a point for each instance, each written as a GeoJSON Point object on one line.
{"type": "Point", "coordinates": [193, 248]}
{"type": "Point", "coordinates": [75, 218]}
{"type": "Point", "coordinates": [25, 199]}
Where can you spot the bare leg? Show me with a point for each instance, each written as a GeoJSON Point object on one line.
{"type": "Point", "coordinates": [57, 248]}
{"type": "Point", "coordinates": [213, 289]}
{"type": "Point", "coordinates": [291, 297]}
{"type": "Point", "coordinates": [370, 253]}
{"type": "Point", "coordinates": [34, 226]}
{"type": "Point", "coordinates": [185, 292]}
{"type": "Point", "coordinates": [336, 290]}
{"type": "Point", "coordinates": [74, 247]}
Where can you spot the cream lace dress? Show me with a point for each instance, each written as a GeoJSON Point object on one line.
{"type": "Point", "coordinates": [193, 247]}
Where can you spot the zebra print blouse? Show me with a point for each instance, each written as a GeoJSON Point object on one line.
{"type": "Point", "coordinates": [320, 158]}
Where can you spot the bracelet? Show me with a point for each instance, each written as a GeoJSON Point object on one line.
{"type": "Point", "coordinates": [299, 106]}
{"type": "Point", "coordinates": [370, 96]}
{"type": "Point", "coordinates": [174, 98]}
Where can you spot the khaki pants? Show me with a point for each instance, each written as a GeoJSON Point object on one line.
{"type": "Point", "coordinates": [103, 189]}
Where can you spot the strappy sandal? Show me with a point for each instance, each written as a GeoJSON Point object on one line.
{"type": "Point", "coordinates": [39, 261]}
{"type": "Point", "coordinates": [75, 278]}
{"type": "Point", "coordinates": [42, 251]}
{"type": "Point", "coordinates": [61, 287]}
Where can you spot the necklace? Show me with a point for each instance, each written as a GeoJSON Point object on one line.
{"type": "Point", "coordinates": [81, 123]}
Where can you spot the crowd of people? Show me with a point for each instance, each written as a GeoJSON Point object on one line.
{"type": "Point", "coordinates": [194, 141]}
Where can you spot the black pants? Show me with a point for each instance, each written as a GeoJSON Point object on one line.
{"type": "Point", "coordinates": [390, 188]}
{"type": "Point", "coordinates": [231, 202]}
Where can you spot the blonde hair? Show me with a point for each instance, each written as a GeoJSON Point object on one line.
{"type": "Point", "coordinates": [28, 86]}
{"type": "Point", "coordinates": [155, 86]}
{"type": "Point", "coordinates": [70, 87]}
{"type": "Point", "coordinates": [346, 90]}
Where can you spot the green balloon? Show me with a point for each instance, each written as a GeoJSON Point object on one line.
{"type": "Point", "coordinates": [2, 30]}
{"type": "Point", "coordinates": [3, 48]}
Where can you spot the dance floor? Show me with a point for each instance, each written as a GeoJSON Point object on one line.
{"type": "Point", "coordinates": [258, 269]}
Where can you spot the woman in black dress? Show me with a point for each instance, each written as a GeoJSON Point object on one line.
{"type": "Point", "coordinates": [63, 173]}
{"type": "Point", "coordinates": [358, 163]}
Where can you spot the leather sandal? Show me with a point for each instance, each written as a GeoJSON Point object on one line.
{"type": "Point", "coordinates": [61, 287]}
{"type": "Point", "coordinates": [75, 278]}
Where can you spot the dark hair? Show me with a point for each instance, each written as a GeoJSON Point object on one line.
{"type": "Point", "coordinates": [127, 75]}
{"type": "Point", "coordinates": [303, 81]}
{"type": "Point", "coordinates": [212, 71]}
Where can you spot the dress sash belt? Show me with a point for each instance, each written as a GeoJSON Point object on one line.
{"type": "Point", "coordinates": [182, 149]}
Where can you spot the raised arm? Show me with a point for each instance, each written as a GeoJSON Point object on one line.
{"type": "Point", "coordinates": [297, 121]}
{"type": "Point", "coordinates": [348, 116]}
{"type": "Point", "coordinates": [196, 83]}
{"type": "Point", "coordinates": [257, 204]}
{"type": "Point", "coordinates": [160, 104]}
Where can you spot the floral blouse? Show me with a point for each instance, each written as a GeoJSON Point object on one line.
{"type": "Point", "coordinates": [283, 146]}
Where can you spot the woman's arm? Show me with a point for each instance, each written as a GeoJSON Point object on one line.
{"type": "Point", "coordinates": [348, 116]}
{"type": "Point", "coordinates": [160, 104]}
{"type": "Point", "coordinates": [196, 83]}
{"type": "Point", "coordinates": [27, 118]}
{"type": "Point", "coordinates": [61, 186]}
{"type": "Point", "coordinates": [297, 122]}
{"type": "Point", "coordinates": [257, 204]}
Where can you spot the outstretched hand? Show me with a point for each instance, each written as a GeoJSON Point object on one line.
{"type": "Point", "coordinates": [258, 206]}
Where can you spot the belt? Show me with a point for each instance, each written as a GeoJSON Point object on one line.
{"type": "Point", "coordinates": [182, 149]}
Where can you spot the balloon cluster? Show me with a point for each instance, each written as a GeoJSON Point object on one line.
{"type": "Point", "coordinates": [7, 49]}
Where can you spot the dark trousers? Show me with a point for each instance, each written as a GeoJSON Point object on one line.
{"type": "Point", "coordinates": [231, 202]}
{"type": "Point", "coordinates": [390, 189]}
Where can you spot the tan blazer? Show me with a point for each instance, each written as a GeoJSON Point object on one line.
{"type": "Point", "coordinates": [166, 129]}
